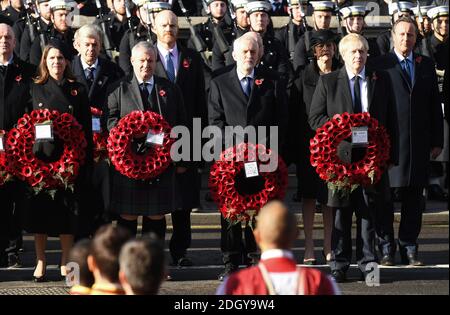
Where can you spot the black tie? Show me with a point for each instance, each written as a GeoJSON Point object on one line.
{"type": "Point", "coordinates": [248, 88]}
{"type": "Point", "coordinates": [3, 70]}
{"type": "Point", "coordinates": [145, 95]}
{"type": "Point", "coordinates": [90, 76]}
{"type": "Point", "coordinates": [357, 107]}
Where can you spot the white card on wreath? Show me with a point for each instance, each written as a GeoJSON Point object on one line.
{"type": "Point", "coordinates": [360, 136]}
{"type": "Point", "coordinates": [155, 138]}
{"type": "Point", "coordinates": [2, 147]}
{"type": "Point", "coordinates": [96, 127]}
{"type": "Point", "coordinates": [43, 131]}
{"type": "Point", "coordinates": [251, 169]}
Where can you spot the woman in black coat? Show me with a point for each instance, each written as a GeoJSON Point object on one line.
{"type": "Point", "coordinates": [56, 89]}
{"type": "Point", "coordinates": [310, 186]}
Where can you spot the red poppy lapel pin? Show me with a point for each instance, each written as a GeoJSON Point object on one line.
{"type": "Point", "coordinates": [258, 82]}
{"type": "Point", "coordinates": [162, 93]}
{"type": "Point", "coordinates": [186, 64]}
{"type": "Point", "coordinates": [419, 59]}
{"type": "Point", "coordinates": [74, 92]}
{"type": "Point", "coordinates": [374, 76]}
{"type": "Point", "coordinates": [19, 78]}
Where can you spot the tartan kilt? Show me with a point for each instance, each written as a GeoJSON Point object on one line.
{"type": "Point", "coordinates": [138, 197]}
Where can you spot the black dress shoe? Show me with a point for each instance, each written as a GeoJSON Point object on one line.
{"type": "Point", "coordinates": [3, 261]}
{"type": "Point", "coordinates": [229, 269]}
{"type": "Point", "coordinates": [387, 260]}
{"type": "Point", "coordinates": [435, 192]}
{"type": "Point", "coordinates": [338, 276]}
{"type": "Point", "coordinates": [184, 262]}
{"type": "Point", "coordinates": [39, 279]}
{"type": "Point", "coordinates": [411, 260]}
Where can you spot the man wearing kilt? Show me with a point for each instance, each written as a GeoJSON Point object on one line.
{"type": "Point", "coordinates": [182, 66]}
{"type": "Point", "coordinates": [143, 91]}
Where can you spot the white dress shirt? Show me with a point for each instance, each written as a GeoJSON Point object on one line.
{"type": "Point", "coordinates": [8, 63]}
{"type": "Point", "coordinates": [175, 56]}
{"type": "Point", "coordinates": [363, 86]}
{"type": "Point", "coordinates": [150, 84]}
{"type": "Point", "coordinates": [86, 66]}
{"type": "Point", "coordinates": [411, 62]}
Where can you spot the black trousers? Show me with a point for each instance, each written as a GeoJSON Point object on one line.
{"type": "Point", "coordinates": [234, 251]}
{"type": "Point", "coordinates": [341, 240]}
{"type": "Point", "coordinates": [181, 234]}
{"type": "Point", "coordinates": [6, 217]}
{"type": "Point", "coordinates": [412, 207]}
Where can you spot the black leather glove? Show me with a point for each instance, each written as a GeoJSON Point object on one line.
{"type": "Point", "coordinates": [48, 150]}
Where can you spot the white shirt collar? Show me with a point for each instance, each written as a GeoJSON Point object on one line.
{"type": "Point", "coordinates": [150, 81]}
{"type": "Point", "coordinates": [9, 61]}
{"type": "Point", "coordinates": [85, 65]}
{"type": "Point", "coordinates": [276, 253]}
{"type": "Point", "coordinates": [164, 52]}
{"type": "Point", "coordinates": [241, 76]}
{"type": "Point", "coordinates": [401, 58]}
{"type": "Point", "coordinates": [361, 74]}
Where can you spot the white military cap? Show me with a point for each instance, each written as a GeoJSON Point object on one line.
{"type": "Point", "coordinates": [257, 6]}
{"type": "Point", "coordinates": [354, 10]}
{"type": "Point", "coordinates": [437, 12]}
{"type": "Point", "coordinates": [62, 5]}
{"type": "Point", "coordinates": [297, 2]}
{"type": "Point", "coordinates": [401, 6]}
{"type": "Point", "coordinates": [157, 6]}
{"type": "Point", "coordinates": [323, 5]}
{"type": "Point", "coordinates": [423, 9]}
{"type": "Point", "coordinates": [238, 4]}
{"type": "Point", "coordinates": [208, 2]}
{"type": "Point", "coordinates": [153, 6]}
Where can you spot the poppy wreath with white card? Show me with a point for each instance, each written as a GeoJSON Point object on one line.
{"type": "Point", "coordinates": [40, 175]}
{"type": "Point", "coordinates": [100, 137]}
{"type": "Point", "coordinates": [5, 170]}
{"type": "Point", "coordinates": [365, 132]}
{"type": "Point", "coordinates": [153, 136]}
{"type": "Point", "coordinates": [238, 186]}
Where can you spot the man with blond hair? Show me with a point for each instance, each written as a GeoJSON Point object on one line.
{"type": "Point", "coordinates": [352, 89]}
{"type": "Point", "coordinates": [277, 272]}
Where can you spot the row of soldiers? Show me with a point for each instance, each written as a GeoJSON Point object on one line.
{"type": "Point", "coordinates": [128, 23]}
{"type": "Point", "coordinates": [286, 52]}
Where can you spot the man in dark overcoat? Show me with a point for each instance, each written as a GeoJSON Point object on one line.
{"type": "Point", "coordinates": [245, 96]}
{"type": "Point", "coordinates": [420, 124]}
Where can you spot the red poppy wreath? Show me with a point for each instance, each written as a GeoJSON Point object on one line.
{"type": "Point", "coordinates": [137, 124]}
{"type": "Point", "coordinates": [5, 171]}
{"type": "Point", "coordinates": [343, 178]}
{"type": "Point", "coordinates": [40, 175]}
{"type": "Point", "coordinates": [226, 181]}
{"type": "Point", "coordinates": [100, 138]}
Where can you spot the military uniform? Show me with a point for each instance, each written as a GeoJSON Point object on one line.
{"type": "Point", "coordinates": [289, 35]}
{"type": "Point", "coordinates": [115, 29]}
{"type": "Point", "coordinates": [52, 34]}
{"type": "Point", "coordinates": [206, 33]}
{"type": "Point", "coordinates": [12, 15]}
{"type": "Point", "coordinates": [138, 34]}
{"type": "Point", "coordinates": [384, 40]}
{"type": "Point", "coordinates": [129, 39]}
{"type": "Point", "coordinates": [303, 46]}
{"type": "Point", "coordinates": [26, 41]}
